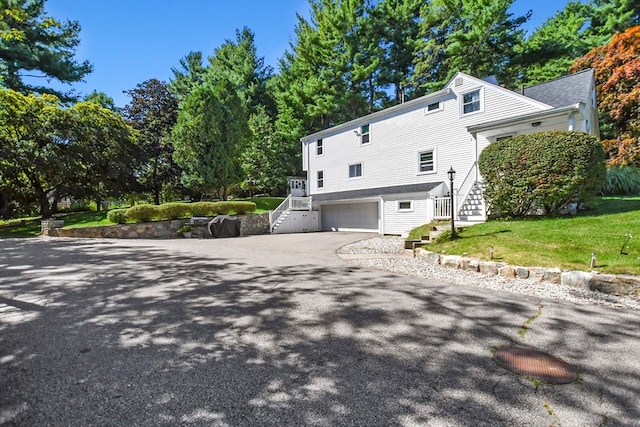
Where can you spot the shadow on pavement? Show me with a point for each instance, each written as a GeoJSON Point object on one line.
{"type": "Point", "coordinates": [105, 333]}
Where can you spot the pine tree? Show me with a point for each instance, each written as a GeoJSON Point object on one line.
{"type": "Point", "coordinates": [33, 44]}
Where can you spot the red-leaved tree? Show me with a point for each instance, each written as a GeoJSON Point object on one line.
{"type": "Point", "coordinates": [617, 72]}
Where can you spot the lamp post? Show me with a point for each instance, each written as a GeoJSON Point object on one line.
{"type": "Point", "coordinates": [452, 175]}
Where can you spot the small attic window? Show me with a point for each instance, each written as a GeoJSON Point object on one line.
{"type": "Point", "coordinates": [433, 107]}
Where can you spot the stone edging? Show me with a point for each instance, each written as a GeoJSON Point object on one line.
{"type": "Point", "coordinates": [594, 281]}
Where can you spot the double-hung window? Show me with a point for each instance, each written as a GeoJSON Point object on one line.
{"type": "Point", "coordinates": [426, 161]}
{"type": "Point", "coordinates": [319, 147]}
{"type": "Point", "coordinates": [365, 136]}
{"type": "Point", "coordinates": [320, 179]}
{"type": "Point", "coordinates": [355, 171]}
{"type": "Point", "coordinates": [471, 102]}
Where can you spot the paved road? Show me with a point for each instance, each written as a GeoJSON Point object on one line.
{"type": "Point", "coordinates": [277, 330]}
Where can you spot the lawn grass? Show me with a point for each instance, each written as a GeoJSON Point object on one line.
{"type": "Point", "coordinates": [265, 204]}
{"type": "Point", "coordinates": [21, 227]}
{"type": "Point", "coordinates": [558, 242]}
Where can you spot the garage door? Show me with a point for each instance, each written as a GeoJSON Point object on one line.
{"type": "Point", "coordinates": [350, 217]}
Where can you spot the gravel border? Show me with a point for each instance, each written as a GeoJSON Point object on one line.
{"type": "Point", "coordinates": [387, 253]}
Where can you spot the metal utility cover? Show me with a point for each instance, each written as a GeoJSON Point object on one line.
{"type": "Point", "coordinates": [536, 364]}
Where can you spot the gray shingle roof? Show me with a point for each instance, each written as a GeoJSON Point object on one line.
{"type": "Point", "coordinates": [375, 192]}
{"type": "Point", "coordinates": [564, 91]}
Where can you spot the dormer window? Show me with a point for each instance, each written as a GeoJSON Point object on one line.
{"type": "Point", "coordinates": [365, 136]}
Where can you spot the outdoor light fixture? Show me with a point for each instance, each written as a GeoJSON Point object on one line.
{"type": "Point", "coordinates": [452, 174]}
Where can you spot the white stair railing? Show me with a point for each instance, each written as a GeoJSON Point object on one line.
{"type": "Point", "coordinates": [278, 212]}
{"type": "Point", "coordinates": [467, 186]}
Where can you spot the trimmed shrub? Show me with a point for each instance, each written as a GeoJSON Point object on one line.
{"type": "Point", "coordinates": [175, 210]}
{"type": "Point", "coordinates": [117, 216]}
{"type": "Point", "coordinates": [240, 208]}
{"type": "Point", "coordinates": [143, 213]}
{"type": "Point", "coordinates": [204, 209]}
{"type": "Point", "coordinates": [544, 169]}
{"type": "Point", "coordinates": [221, 208]}
{"type": "Point", "coordinates": [621, 181]}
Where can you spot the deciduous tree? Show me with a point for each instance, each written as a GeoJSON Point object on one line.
{"type": "Point", "coordinates": [153, 111]}
{"type": "Point", "coordinates": [617, 72]}
{"type": "Point", "coordinates": [52, 152]}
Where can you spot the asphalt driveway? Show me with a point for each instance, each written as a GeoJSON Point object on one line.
{"type": "Point", "coordinates": [277, 330]}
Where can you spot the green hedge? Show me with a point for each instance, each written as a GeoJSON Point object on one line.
{"type": "Point", "coordinates": [174, 210]}
{"type": "Point", "coordinates": [541, 170]}
{"type": "Point", "coordinates": [144, 213]}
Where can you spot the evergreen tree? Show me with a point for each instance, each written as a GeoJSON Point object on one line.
{"type": "Point", "coordinates": [188, 77]}
{"type": "Point", "coordinates": [397, 25]}
{"type": "Point", "coordinates": [209, 138]}
{"type": "Point", "coordinates": [32, 41]}
{"type": "Point", "coordinates": [572, 32]}
{"type": "Point", "coordinates": [238, 63]}
{"type": "Point", "coordinates": [478, 37]}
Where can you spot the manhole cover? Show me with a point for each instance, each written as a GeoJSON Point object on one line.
{"type": "Point", "coordinates": [536, 364]}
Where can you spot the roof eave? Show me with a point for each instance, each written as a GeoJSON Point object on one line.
{"type": "Point", "coordinates": [525, 118]}
{"type": "Point", "coordinates": [374, 116]}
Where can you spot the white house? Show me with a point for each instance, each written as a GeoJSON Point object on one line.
{"type": "Point", "coordinates": [387, 172]}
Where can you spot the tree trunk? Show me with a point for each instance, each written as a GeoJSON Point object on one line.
{"type": "Point", "coordinates": [45, 206]}
{"type": "Point", "coordinates": [4, 206]}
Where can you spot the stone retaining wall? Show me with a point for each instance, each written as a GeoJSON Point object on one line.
{"type": "Point", "coordinates": [606, 283]}
{"type": "Point", "coordinates": [249, 225]}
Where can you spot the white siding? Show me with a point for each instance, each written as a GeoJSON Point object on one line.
{"type": "Point", "coordinates": [396, 222]}
{"type": "Point", "coordinates": [392, 156]}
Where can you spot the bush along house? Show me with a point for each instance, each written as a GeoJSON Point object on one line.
{"type": "Point", "coordinates": [387, 172]}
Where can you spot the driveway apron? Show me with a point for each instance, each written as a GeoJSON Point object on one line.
{"type": "Point", "coordinates": [277, 330]}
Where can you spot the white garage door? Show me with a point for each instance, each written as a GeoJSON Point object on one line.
{"type": "Point", "coordinates": [351, 217]}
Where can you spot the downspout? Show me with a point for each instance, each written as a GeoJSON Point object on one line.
{"type": "Point", "coordinates": [476, 154]}
{"type": "Point", "coordinates": [381, 225]}
{"type": "Point", "coordinates": [572, 122]}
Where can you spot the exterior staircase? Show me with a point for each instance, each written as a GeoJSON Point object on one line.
{"type": "Point", "coordinates": [473, 208]}
{"type": "Point", "coordinates": [294, 215]}
{"type": "Point", "coordinates": [278, 222]}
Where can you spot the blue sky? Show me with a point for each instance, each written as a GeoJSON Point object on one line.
{"type": "Point", "coordinates": [130, 41]}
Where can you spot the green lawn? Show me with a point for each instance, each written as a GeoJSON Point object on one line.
{"type": "Point", "coordinates": [559, 242]}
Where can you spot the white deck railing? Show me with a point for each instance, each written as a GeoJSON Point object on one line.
{"type": "Point", "coordinates": [442, 208]}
